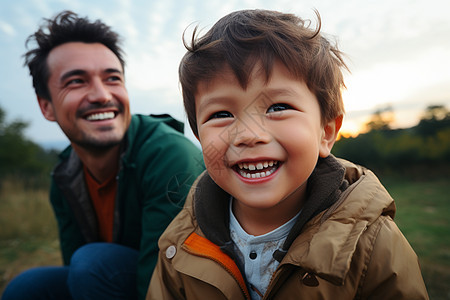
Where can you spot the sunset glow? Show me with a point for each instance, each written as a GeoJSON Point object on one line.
{"type": "Point", "coordinates": [398, 53]}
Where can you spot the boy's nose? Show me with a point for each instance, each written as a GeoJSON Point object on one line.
{"type": "Point", "coordinates": [98, 92]}
{"type": "Point", "coordinates": [249, 133]}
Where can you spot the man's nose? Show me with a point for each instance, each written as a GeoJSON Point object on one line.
{"type": "Point", "coordinates": [98, 92]}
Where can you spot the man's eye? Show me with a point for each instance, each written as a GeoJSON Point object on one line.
{"type": "Point", "coordinates": [74, 81]}
{"type": "Point", "coordinates": [278, 107]}
{"type": "Point", "coordinates": [114, 78]}
{"type": "Point", "coordinates": [221, 115]}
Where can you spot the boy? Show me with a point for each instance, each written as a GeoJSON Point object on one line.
{"type": "Point", "coordinates": [276, 216]}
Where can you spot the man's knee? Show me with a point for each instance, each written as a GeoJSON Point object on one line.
{"type": "Point", "coordinates": [86, 263]}
{"type": "Point", "coordinates": [103, 257]}
{"type": "Point", "coordinates": [103, 269]}
{"type": "Point", "coordinates": [39, 283]}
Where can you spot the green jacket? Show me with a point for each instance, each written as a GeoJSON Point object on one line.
{"type": "Point", "coordinates": [157, 167]}
{"type": "Point", "coordinates": [352, 249]}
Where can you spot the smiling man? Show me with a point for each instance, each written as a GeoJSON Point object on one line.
{"type": "Point", "coordinates": [117, 186]}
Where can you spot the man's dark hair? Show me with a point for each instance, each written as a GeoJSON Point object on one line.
{"type": "Point", "coordinates": [64, 28]}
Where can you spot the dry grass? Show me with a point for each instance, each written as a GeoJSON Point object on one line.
{"type": "Point", "coordinates": [25, 213]}
{"type": "Point", "coordinates": [28, 232]}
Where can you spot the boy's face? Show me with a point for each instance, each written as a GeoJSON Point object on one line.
{"type": "Point", "coordinates": [262, 143]}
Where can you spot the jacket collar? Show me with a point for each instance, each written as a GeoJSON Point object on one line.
{"type": "Point", "coordinates": [328, 242]}
{"type": "Point", "coordinates": [325, 185]}
{"type": "Point", "coordinates": [332, 232]}
{"type": "Point", "coordinates": [69, 177]}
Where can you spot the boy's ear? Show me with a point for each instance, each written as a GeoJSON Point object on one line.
{"type": "Point", "coordinates": [329, 135]}
{"type": "Point", "coordinates": [47, 109]}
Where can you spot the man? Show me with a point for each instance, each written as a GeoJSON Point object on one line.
{"type": "Point", "coordinates": [122, 179]}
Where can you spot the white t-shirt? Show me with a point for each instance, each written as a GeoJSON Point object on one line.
{"type": "Point", "coordinates": [257, 252]}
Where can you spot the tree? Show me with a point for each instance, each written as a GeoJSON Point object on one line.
{"type": "Point", "coordinates": [12, 144]}
{"type": "Point", "coordinates": [434, 119]}
{"type": "Point", "coordinates": [18, 155]}
{"type": "Point", "coordinates": [424, 147]}
{"type": "Point", "coordinates": [436, 113]}
{"type": "Point", "coordinates": [381, 119]}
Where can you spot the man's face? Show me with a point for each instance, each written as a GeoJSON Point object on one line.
{"type": "Point", "coordinates": [89, 100]}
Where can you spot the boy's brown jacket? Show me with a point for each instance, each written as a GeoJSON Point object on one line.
{"type": "Point", "coordinates": [352, 250]}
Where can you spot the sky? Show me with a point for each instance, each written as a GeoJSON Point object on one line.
{"type": "Point", "coordinates": [398, 52]}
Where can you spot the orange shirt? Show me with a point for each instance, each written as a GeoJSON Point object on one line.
{"type": "Point", "coordinates": [103, 197]}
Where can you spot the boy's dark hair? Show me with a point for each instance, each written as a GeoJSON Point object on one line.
{"type": "Point", "coordinates": [243, 38]}
{"type": "Point", "coordinates": [64, 28]}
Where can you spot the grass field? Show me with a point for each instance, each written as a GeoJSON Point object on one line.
{"type": "Point", "coordinates": [28, 230]}
{"type": "Point", "coordinates": [423, 215]}
{"type": "Point", "coordinates": [28, 234]}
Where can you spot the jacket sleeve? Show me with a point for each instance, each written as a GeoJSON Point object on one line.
{"type": "Point", "coordinates": [393, 271]}
{"type": "Point", "coordinates": [170, 169]}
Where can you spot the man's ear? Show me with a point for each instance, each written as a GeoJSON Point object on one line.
{"type": "Point", "coordinates": [47, 109]}
{"type": "Point", "coordinates": [329, 135]}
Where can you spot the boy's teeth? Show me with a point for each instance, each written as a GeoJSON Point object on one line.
{"type": "Point", "coordinates": [257, 166]}
{"type": "Point", "coordinates": [256, 175]}
{"type": "Point", "coordinates": [243, 167]}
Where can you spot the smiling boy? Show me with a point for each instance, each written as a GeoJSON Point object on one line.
{"type": "Point", "coordinates": [276, 216]}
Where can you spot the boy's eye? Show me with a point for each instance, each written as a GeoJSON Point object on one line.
{"type": "Point", "coordinates": [221, 115]}
{"type": "Point", "coordinates": [278, 107]}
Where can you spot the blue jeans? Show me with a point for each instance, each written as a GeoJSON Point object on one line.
{"type": "Point", "coordinates": [96, 271]}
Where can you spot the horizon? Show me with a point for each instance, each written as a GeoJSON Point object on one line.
{"type": "Point", "coordinates": [398, 53]}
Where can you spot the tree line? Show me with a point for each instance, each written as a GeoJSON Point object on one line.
{"type": "Point", "coordinates": [425, 146]}
{"type": "Point", "coordinates": [21, 158]}
{"type": "Point", "coordinates": [381, 148]}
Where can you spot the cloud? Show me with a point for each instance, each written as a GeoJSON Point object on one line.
{"type": "Point", "coordinates": [399, 51]}
{"type": "Point", "coordinates": [7, 29]}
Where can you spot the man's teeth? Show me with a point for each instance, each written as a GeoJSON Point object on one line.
{"type": "Point", "coordinates": [100, 116]}
{"type": "Point", "coordinates": [243, 167]}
